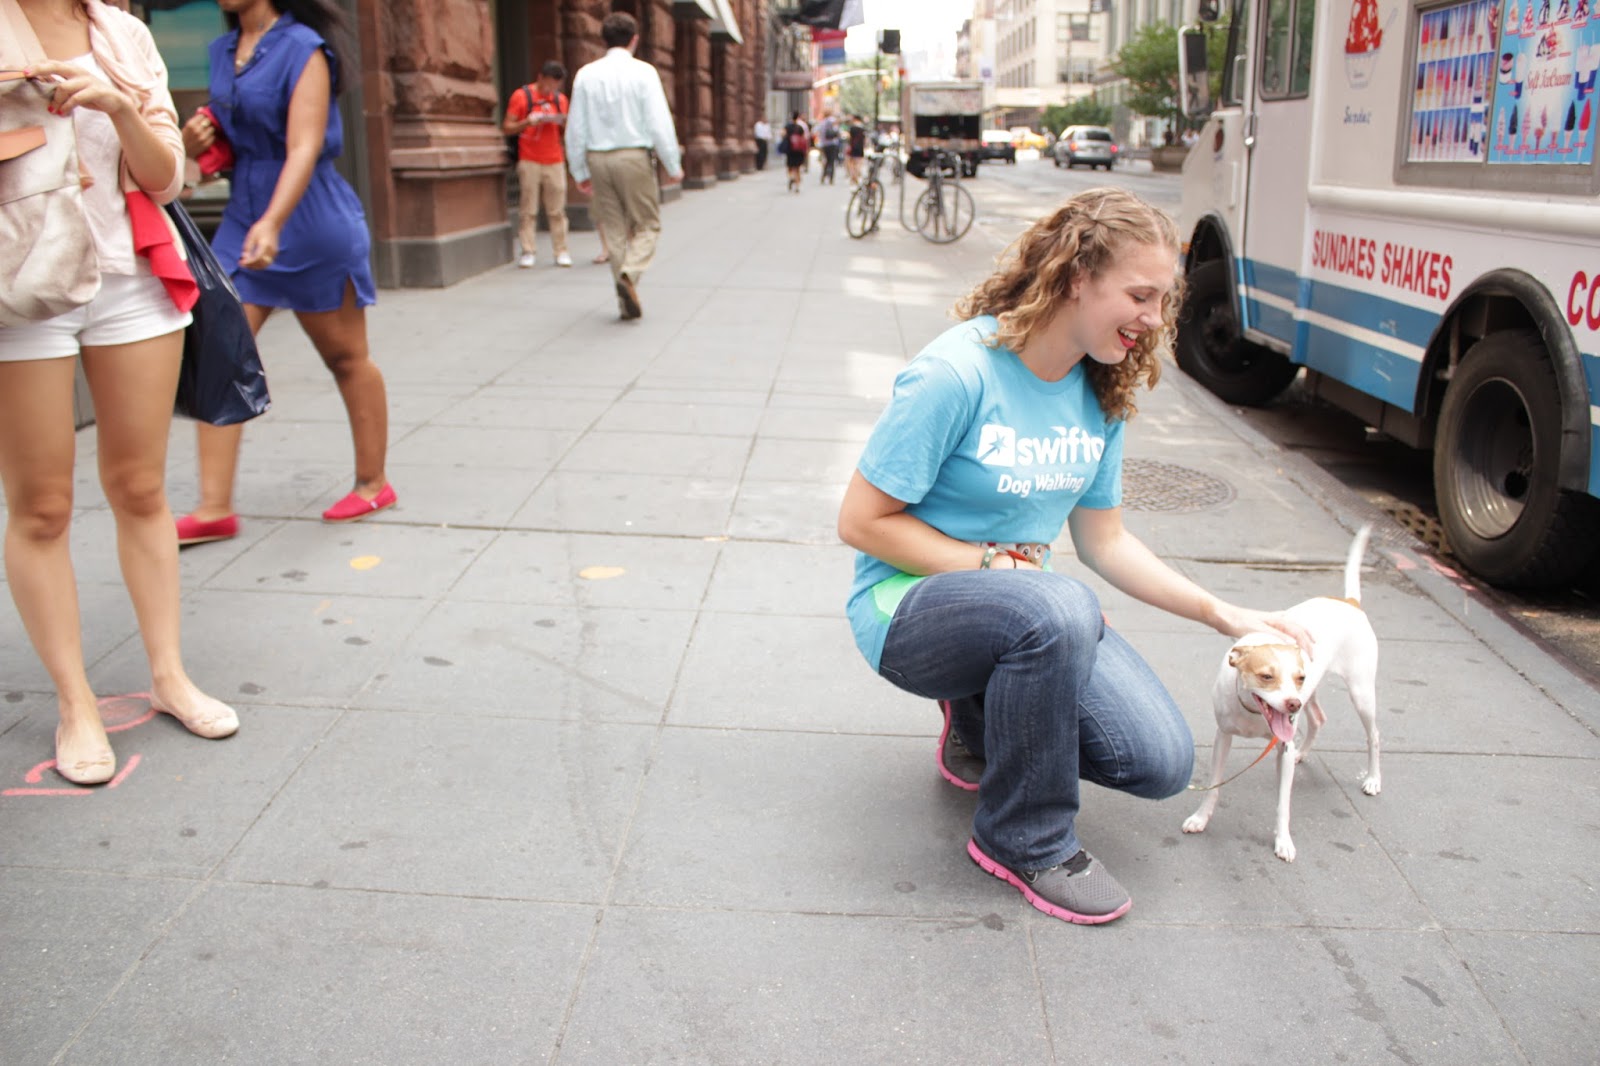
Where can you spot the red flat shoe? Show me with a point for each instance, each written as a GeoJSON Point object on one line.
{"type": "Point", "coordinates": [353, 507]}
{"type": "Point", "coordinates": [192, 530]}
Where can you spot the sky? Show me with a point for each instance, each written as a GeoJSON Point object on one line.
{"type": "Point", "coordinates": [925, 26]}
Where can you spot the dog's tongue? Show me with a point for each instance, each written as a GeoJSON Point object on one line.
{"type": "Point", "coordinates": [1282, 725]}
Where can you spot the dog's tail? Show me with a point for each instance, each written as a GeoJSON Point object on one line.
{"type": "Point", "coordinates": [1352, 564]}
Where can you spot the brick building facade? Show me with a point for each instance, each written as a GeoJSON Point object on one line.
{"type": "Point", "coordinates": [435, 76]}
{"type": "Point", "coordinates": [422, 112]}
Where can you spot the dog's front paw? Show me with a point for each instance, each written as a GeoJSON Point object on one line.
{"type": "Point", "coordinates": [1372, 784]}
{"type": "Point", "coordinates": [1196, 823]}
{"type": "Point", "coordinates": [1283, 848]}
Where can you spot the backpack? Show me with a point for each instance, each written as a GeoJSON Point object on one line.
{"type": "Point", "coordinates": [798, 142]}
{"type": "Point", "coordinates": [511, 141]}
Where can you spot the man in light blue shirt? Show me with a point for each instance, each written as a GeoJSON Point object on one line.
{"type": "Point", "coordinates": [618, 114]}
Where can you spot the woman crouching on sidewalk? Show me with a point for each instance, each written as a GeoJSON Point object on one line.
{"type": "Point", "coordinates": [1003, 428]}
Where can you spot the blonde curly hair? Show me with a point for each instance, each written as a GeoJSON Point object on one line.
{"type": "Point", "coordinates": [1079, 240]}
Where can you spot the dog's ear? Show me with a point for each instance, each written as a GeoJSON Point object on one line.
{"type": "Point", "coordinates": [1235, 654]}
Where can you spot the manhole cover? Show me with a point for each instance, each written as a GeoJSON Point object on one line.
{"type": "Point", "coordinates": [1151, 485]}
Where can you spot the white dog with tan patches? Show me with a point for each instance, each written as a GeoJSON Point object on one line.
{"type": "Point", "coordinates": [1264, 684]}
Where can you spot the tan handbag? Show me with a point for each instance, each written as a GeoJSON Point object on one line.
{"type": "Point", "coordinates": [47, 260]}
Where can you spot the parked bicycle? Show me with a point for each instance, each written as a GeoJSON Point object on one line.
{"type": "Point", "coordinates": [944, 212]}
{"type": "Point", "coordinates": [861, 214]}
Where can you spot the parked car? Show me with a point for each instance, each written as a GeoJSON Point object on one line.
{"type": "Point", "coordinates": [1086, 144]}
{"type": "Point", "coordinates": [997, 145]}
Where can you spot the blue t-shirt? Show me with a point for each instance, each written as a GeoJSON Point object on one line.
{"type": "Point", "coordinates": [981, 449]}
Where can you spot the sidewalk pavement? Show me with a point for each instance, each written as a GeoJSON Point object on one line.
{"type": "Point", "coordinates": [569, 758]}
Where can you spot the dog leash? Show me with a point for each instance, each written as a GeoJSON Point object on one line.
{"type": "Point", "coordinates": [1272, 742]}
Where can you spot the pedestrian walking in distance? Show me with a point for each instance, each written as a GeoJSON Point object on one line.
{"type": "Point", "coordinates": [294, 232]}
{"type": "Point", "coordinates": [111, 86]}
{"type": "Point", "coordinates": [537, 115]}
{"type": "Point", "coordinates": [619, 115]}
{"type": "Point", "coordinates": [763, 133]}
{"type": "Point", "coordinates": [1005, 427]}
{"type": "Point", "coordinates": [796, 144]}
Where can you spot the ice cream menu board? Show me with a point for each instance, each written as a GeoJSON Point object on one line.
{"type": "Point", "coordinates": [1454, 82]}
{"type": "Point", "coordinates": [1544, 106]}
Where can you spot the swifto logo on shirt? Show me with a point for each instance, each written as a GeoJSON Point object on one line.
{"type": "Point", "coordinates": [1000, 445]}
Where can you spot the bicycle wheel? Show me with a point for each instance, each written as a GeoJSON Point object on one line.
{"type": "Point", "coordinates": [874, 200]}
{"type": "Point", "coordinates": [944, 212]}
{"type": "Point", "coordinates": [858, 216]}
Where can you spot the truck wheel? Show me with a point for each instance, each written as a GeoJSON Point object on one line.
{"type": "Point", "coordinates": [1210, 349]}
{"type": "Point", "coordinates": [1494, 468]}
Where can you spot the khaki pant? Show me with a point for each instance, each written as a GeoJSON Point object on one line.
{"type": "Point", "coordinates": [627, 207]}
{"type": "Point", "coordinates": [542, 183]}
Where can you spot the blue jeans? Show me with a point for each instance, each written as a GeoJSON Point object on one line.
{"type": "Point", "coordinates": [1046, 693]}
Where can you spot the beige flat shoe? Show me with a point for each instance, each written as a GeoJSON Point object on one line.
{"type": "Point", "coordinates": [95, 769]}
{"type": "Point", "coordinates": [213, 721]}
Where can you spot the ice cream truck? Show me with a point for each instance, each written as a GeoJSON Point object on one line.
{"type": "Point", "coordinates": [1401, 198]}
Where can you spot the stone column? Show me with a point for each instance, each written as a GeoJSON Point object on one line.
{"type": "Point", "coordinates": [436, 157]}
{"type": "Point", "coordinates": [692, 81]}
{"type": "Point", "coordinates": [726, 112]}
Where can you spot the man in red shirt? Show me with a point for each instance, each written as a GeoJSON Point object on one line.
{"type": "Point", "coordinates": [537, 114]}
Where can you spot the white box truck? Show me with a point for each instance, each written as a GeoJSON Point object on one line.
{"type": "Point", "coordinates": [942, 116]}
{"type": "Point", "coordinates": [1400, 197]}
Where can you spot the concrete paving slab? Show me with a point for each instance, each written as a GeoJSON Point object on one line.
{"type": "Point", "coordinates": [802, 512]}
{"type": "Point", "coordinates": [669, 573]}
{"type": "Point", "coordinates": [516, 407]}
{"type": "Point", "coordinates": [757, 671]}
{"type": "Point", "coordinates": [751, 986]}
{"type": "Point", "coordinates": [1510, 845]}
{"type": "Point", "coordinates": [180, 804]}
{"type": "Point", "coordinates": [647, 454]}
{"type": "Point", "coordinates": [597, 663]}
{"type": "Point", "coordinates": [437, 495]}
{"type": "Point", "coordinates": [531, 449]}
{"type": "Point", "coordinates": [70, 941]}
{"type": "Point", "coordinates": [654, 504]}
{"type": "Point", "coordinates": [291, 648]}
{"type": "Point", "coordinates": [709, 420]}
{"type": "Point", "coordinates": [736, 820]}
{"type": "Point", "coordinates": [818, 423]}
{"type": "Point", "coordinates": [256, 972]}
{"type": "Point", "coordinates": [317, 401]}
{"type": "Point", "coordinates": [789, 579]}
{"type": "Point", "coordinates": [1228, 875]}
{"type": "Point", "coordinates": [1234, 995]}
{"type": "Point", "coordinates": [828, 461]}
{"type": "Point", "coordinates": [1544, 987]}
{"type": "Point", "coordinates": [366, 558]}
{"type": "Point", "coordinates": [432, 804]}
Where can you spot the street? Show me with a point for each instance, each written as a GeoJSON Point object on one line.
{"type": "Point", "coordinates": [570, 757]}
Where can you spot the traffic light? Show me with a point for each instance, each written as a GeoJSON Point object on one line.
{"type": "Point", "coordinates": [889, 42]}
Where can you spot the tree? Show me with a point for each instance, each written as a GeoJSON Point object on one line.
{"type": "Point", "coordinates": [856, 94]}
{"type": "Point", "coordinates": [1084, 111]}
{"type": "Point", "coordinates": [1150, 63]}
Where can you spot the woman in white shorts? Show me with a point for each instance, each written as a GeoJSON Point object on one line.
{"type": "Point", "coordinates": [113, 86]}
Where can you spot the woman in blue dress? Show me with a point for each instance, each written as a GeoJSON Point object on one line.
{"type": "Point", "coordinates": [295, 229]}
